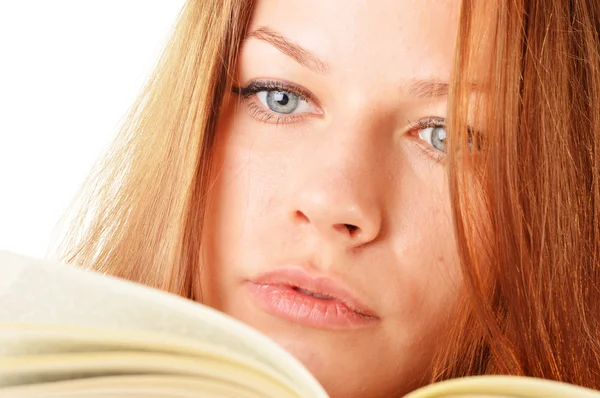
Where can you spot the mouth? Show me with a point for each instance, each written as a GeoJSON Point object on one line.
{"type": "Point", "coordinates": [316, 295]}
{"type": "Point", "coordinates": [319, 302]}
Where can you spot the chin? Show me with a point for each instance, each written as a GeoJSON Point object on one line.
{"type": "Point", "coordinates": [328, 355]}
{"type": "Point", "coordinates": [331, 355]}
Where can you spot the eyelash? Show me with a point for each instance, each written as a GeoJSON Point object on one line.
{"type": "Point", "coordinates": [259, 112]}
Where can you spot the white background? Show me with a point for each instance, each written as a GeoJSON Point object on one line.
{"type": "Point", "coordinates": [69, 70]}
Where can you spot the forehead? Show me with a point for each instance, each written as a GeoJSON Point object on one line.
{"type": "Point", "coordinates": [387, 38]}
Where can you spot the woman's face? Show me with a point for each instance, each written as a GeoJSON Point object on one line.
{"type": "Point", "coordinates": [329, 225]}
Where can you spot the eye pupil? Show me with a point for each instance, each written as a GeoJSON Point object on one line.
{"type": "Point", "coordinates": [281, 98]}
{"type": "Point", "coordinates": [282, 101]}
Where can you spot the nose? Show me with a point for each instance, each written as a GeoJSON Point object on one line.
{"type": "Point", "coordinates": [341, 205]}
{"type": "Point", "coordinates": [347, 224]}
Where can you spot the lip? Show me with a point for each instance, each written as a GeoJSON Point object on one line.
{"type": "Point", "coordinates": [276, 292]}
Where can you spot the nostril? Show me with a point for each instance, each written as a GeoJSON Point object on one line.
{"type": "Point", "coordinates": [301, 216]}
{"type": "Point", "coordinates": [351, 228]}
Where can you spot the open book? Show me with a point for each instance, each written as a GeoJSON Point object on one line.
{"type": "Point", "coordinates": [70, 332]}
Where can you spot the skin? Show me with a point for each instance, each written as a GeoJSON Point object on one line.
{"type": "Point", "coordinates": [285, 188]}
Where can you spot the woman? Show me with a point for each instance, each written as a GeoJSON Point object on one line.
{"type": "Point", "coordinates": [396, 194]}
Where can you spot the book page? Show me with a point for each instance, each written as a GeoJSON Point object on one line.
{"type": "Point", "coordinates": [36, 291]}
{"type": "Point", "coordinates": [498, 386]}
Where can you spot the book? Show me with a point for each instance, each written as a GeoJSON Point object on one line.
{"type": "Point", "coordinates": [69, 332]}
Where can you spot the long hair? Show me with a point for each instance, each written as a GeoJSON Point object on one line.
{"type": "Point", "coordinates": [139, 215]}
{"type": "Point", "coordinates": [525, 190]}
{"type": "Point", "coordinates": [524, 180]}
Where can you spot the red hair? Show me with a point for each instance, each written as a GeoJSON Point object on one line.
{"type": "Point", "coordinates": [526, 195]}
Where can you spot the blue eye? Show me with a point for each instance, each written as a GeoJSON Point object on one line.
{"type": "Point", "coordinates": [434, 136]}
{"type": "Point", "coordinates": [283, 102]}
{"type": "Point", "coordinates": [278, 101]}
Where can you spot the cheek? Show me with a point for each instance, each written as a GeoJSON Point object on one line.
{"type": "Point", "coordinates": [240, 200]}
{"type": "Point", "coordinates": [428, 275]}
{"type": "Point", "coordinates": [238, 175]}
{"type": "Point", "coordinates": [245, 189]}
{"type": "Point", "coordinates": [437, 246]}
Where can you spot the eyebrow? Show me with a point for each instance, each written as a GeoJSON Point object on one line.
{"type": "Point", "coordinates": [298, 53]}
{"type": "Point", "coordinates": [427, 88]}
{"type": "Point", "coordinates": [417, 88]}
